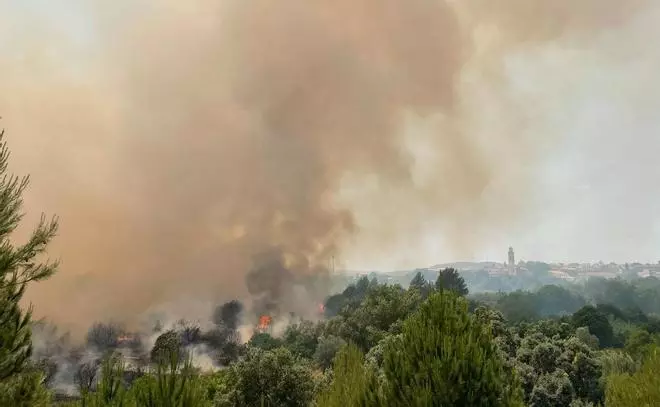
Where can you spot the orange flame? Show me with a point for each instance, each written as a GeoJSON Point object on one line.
{"type": "Point", "coordinates": [321, 308]}
{"type": "Point", "coordinates": [124, 338]}
{"type": "Point", "coordinates": [264, 322]}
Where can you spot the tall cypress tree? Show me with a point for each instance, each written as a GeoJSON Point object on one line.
{"type": "Point", "coordinates": [445, 357]}
{"type": "Point", "coordinates": [19, 265]}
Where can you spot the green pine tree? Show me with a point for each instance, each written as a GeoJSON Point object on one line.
{"type": "Point", "coordinates": [450, 280]}
{"type": "Point", "coordinates": [19, 265]}
{"type": "Point", "coordinates": [420, 284]}
{"type": "Point", "coordinates": [445, 357]}
{"type": "Point", "coordinates": [353, 381]}
{"type": "Point", "coordinates": [175, 383]}
{"type": "Point", "coordinates": [110, 389]}
{"type": "Point", "coordinates": [641, 389]}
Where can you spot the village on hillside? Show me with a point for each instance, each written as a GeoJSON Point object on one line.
{"type": "Point", "coordinates": [545, 272]}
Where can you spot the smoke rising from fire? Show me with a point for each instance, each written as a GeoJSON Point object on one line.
{"type": "Point", "coordinates": [182, 143]}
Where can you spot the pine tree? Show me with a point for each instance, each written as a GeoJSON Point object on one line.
{"type": "Point", "coordinates": [418, 281]}
{"type": "Point", "coordinates": [639, 389]}
{"type": "Point", "coordinates": [450, 280]}
{"type": "Point", "coordinates": [354, 383]}
{"type": "Point", "coordinates": [110, 389]}
{"type": "Point", "coordinates": [420, 284]}
{"type": "Point", "coordinates": [445, 357]}
{"type": "Point", "coordinates": [175, 383]}
{"type": "Point", "coordinates": [18, 267]}
{"type": "Point", "coordinates": [167, 343]}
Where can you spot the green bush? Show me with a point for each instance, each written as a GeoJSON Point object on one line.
{"type": "Point", "coordinates": [445, 357]}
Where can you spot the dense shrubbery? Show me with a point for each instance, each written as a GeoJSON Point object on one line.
{"type": "Point", "coordinates": [425, 345]}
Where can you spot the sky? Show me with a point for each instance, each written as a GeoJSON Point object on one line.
{"type": "Point", "coordinates": [594, 194]}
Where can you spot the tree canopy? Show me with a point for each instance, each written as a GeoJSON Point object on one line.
{"type": "Point", "coordinates": [449, 279]}
{"type": "Point", "coordinates": [18, 267]}
{"type": "Point", "coordinates": [446, 357]}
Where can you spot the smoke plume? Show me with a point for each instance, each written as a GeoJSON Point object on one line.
{"type": "Point", "coordinates": [188, 145]}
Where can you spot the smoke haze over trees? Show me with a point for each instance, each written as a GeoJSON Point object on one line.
{"type": "Point", "coordinates": [182, 143]}
{"type": "Point", "coordinates": [214, 162]}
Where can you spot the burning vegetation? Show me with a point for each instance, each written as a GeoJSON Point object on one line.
{"type": "Point", "coordinates": [264, 323]}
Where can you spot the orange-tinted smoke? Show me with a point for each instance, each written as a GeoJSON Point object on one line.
{"type": "Point", "coordinates": [179, 140]}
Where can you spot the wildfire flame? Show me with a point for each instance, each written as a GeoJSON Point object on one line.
{"type": "Point", "coordinates": [264, 322]}
{"type": "Point", "coordinates": [124, 338]}
{"type": "Point", "coordinates": [321, 308]}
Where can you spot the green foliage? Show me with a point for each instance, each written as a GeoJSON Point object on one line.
{"type": "Point", "coordinates": [377, 316]}
{"type": "Point", "coordinates": [175, 384]}
{"type": "Point", "coordinates": [18, 267]}
{"type": "Point", "coordinates": [410, 355]}
{"type": "Point", "coordinates": [552, 328]}
{"type": "Point", "coordinates": [597, 323]}
{"type": "Point", "coordinates": [616, 292]}
{"type": "Point", "coordinates": [264, 341]}
{"type": "Point", "coordinates": [544, 357]}
{"type": "Point", "coordinates": [421, 285]}
{"type": "Point", "coordinates": [302, 338]}
{"type": "Point", "coordinates": [450, 280]}
{"type": "Point", "coordinates": [518, 306]}
{"type": "Point", "coordinates": [640, 342]}
{"type": "Point", "coordinates": [615, 312]}
{"type": "Point", "coordinates": [583, 403]}
{"type": "Point", "coordinates": [647, 292]}
{"type": "Point", "coordinates": [583, 368]}
{"type": "Point", "coordinates": [376, 355]}
{"type": "Point", "coordinates": [327, 350]}
{"type": "Point", "coordinates": [167, 344]}
{"type": "Point", "coordinates": [641, 389]}
{"type": "Point", "coordinates": [15, 341]}
{"type": "Point", "coordinates": [584, 336]}
{"type": "Point", "coordinates": [24, 389]}
{"type": "Point", "coordinates": [552, 390]}
{"type": "Point", "coordinates": [555, 300]}
{"type": "Point", "coordinates": [352, 381]}
{"type": "Point", "coordinates": [445, 357]}
{"type": "Point", "coordinates": [616, 362]}
{"type": "Point", "coordinates": [418, 281]}
{"type": "Point", "coordinates": [350, 298]}
{"type": "Point", "coordinates": [214, 385]}
{"type": "Point", "coordinates": [492, 318]}
{"type": "Point", "coordinates": [110, 389]}
{"type": "Point", "coordinates": [269, 378]}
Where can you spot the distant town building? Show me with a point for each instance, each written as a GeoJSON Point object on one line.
{"type": "Point", "coordinates": [561, 274]}
{"type": "Point", "coordinates": [512, 262]}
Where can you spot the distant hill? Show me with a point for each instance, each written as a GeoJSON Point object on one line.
{"type": "Point", "coordinates": [466, 266]}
